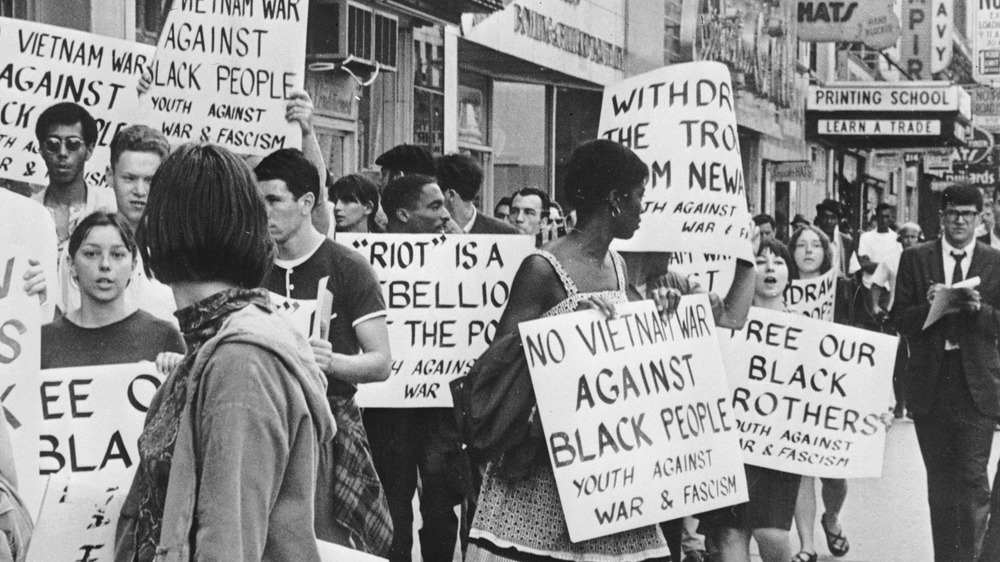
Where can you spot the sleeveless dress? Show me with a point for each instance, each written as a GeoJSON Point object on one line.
{"type": "Point", "coordinates": [526, 515]}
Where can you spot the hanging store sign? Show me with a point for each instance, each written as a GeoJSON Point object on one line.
{"type": "Point", "coordinates": [792, 171]}
{"type": "Point", "coordinates": [986, 42]}
{"type": "Point", "coordinates": [941, 34]}
{"type": "Point", "coordinates": [916, 49]}
{"type": "Point", "coordinates": [897, 116]}
{"type": "Point", "coordinates": [872, 23]}
{"type": "Point", "coordinates": [985, 107]}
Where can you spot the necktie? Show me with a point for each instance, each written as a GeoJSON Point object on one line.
{"type": "Point", "coordinates": [951, 321]}
{"type": "Point", "coordinates": [956, 274]}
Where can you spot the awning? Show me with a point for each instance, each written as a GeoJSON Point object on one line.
{"type": "Point", "coordinates": [886, 116]}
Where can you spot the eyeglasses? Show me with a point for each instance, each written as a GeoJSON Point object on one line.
{"type": "Point", "coordinates": [954, 215]}
{"type": "Point", "coordinates": [53, 144]}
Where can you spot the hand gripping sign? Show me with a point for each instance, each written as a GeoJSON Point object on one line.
{"type": "Point", "coordinates": [223, 71]}
{"type": "Point", "coordinates": [808, 394]}
{"type": "Point", "coordinates": [681, 120]}
{"type": "Point", "coordinates": [444, 296]}
{"type": "Point", "coordinates": [636, 415]}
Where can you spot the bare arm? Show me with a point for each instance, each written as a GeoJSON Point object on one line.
{"type": "Point", "coordinates": [300, 110]}
{"type": "Point", "coordinates": [737, 303]}
{"type": "Point", "coordinates": [536, 288]}
{"type": "Point", "coordinates": [371, 365]}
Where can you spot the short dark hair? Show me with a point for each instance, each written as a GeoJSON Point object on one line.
{"type": "Point", "coordinates": [67, 113]}
{"type": "Point", "coordinates": [527, 191]}
{"type": "Point", "coordinates": [824, 240]}
{"type": "Point", "coordinates": [205, 220]}
{"type": "Point", "coordinates": [883, 206]}
{"type": "Point", "coordinates": [138, 138]}
{"type": "Point", "coordinates": [962, 194]}
{"type": "Point", "coordinates": [461, 173]}
{"type": "Point", "coordinates": [832, 206]}
{"type": "Point", "coordinates": [292, 167]}
{"type": "Point", "coordinates": [408, 159]}
{"type": "Point", "coordinates": [403, 193]}
{"type": "Point", "coordinates": [360, 189]}
{"type": "Point", "coordinates": [597, 167]}
{"type": "Point", "coordinates": [778, 248]}
{"type": "Point", "coordinates": [102, 218]}
{"type": "Point", "coordinates": [764, 218]}
{"type": "Point", "coordinates": [503, 201]}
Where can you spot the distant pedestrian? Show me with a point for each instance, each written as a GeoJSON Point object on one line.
{"type": "Point", "coordinates": [229, 453]}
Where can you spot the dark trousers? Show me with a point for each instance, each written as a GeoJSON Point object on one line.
{"type": "Point", "coordinates": [899, 375]}
{"type": "Point", "coordinates": [955, 442]}
{"type": "Point", "coordinates": [419, 441]}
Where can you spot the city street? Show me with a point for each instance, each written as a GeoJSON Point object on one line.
{"type": "Point", "coordinates": [886, 519]}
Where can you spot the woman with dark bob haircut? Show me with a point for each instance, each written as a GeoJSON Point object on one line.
{"type": "Point", "coordinates": [355, 204]}
{"type": "Point", "coordinates": [228, 456]}
{"type": "Point", "coordinates": [519, 516]}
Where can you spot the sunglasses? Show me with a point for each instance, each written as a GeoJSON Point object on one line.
{"type": "Point", "coordinates": [54, 144]}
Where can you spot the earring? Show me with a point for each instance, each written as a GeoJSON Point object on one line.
{"type": "Point", "coordinates": [615, 211]}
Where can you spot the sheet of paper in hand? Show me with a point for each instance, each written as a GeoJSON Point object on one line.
{"type": "Point", "coordinates": [636, 415]}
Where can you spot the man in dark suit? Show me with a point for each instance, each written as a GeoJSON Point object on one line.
{"type": "Point", "coordinates": [954, 371]}
{"type": "Point", "coordinates": [460, 178]}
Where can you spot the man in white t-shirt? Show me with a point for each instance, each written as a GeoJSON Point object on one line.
{"type": "Point", "coordinates": [877, 246]}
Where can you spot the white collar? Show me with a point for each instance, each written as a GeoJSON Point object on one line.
{"type": "Point", "coordinates": [468, 226]}
{"type": "Point", "coordinates": [948, 248]}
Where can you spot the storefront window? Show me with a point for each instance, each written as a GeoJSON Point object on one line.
{"type": "Point", "coordinates": [520, 146]}
{"type": "Point", "coordinates": [428, 91]}
{"type": "Point", "coordinates": [149, 18]}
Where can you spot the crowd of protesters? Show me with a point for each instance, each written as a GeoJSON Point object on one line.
{"type": "Point", "coordinates": [254, 445]}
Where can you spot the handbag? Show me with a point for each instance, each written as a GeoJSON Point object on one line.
{"type": "Point", "coordinates": [494, 404]}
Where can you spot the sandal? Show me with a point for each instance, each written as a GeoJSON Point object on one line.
{"type": "Point", "coordinates": [804, 556]}
{"type": "Point", "coordinates": [837, 543]}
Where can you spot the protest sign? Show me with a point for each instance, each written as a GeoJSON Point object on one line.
{"type": "Point", "coordinates": [636, 415]}
{"type": "Point", "coordinates": [808, 394]}
{"type": "Point", "coordinates": [813, 297]}
{"type": "Point", "coordinates": [680, 119]}
{"type": "Point", "coordinates": [44, 65]}
{"type": "Point", "coordinates": [77, 522]}
{"type": "Point", "coordinates": [20, 345]}
{"type": "Point", "coordinates": [224, 70]}
{"type": "Point", "coordinates": [301, 313]}
{"type": "Point", "coordinates": [712, 272]}
{"type": "Point", "coordinates": [444, 296]}
{"type": "Point", "coordinates": [87, 421]}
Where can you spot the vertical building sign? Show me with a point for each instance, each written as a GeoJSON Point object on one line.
{"type": "Point", "coordinates": [986, 41]}
{"type": "Point", "coordinates": [941, 34]}
{"type": "Point", "coordinates": [915, 46]}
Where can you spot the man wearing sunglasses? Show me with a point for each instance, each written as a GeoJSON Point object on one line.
{"type": "Point", "coordinates": [953, 387]}
{"type": "Point", "coordinates": [66, 135]}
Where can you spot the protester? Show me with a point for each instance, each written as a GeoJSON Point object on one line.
{"type": "Point", "coordinates": [356, 347]}
{"type": "Point", "coordinates": [66, 134]}
{"type": "Point", "coordinates": [650, 277]}
{"type": "Point", "coordinates": [529, 211]}
{"type": "Point", "coordinates": [883, 295]}
{"type": "Point", "coordinates": [767, 517]}
{"type": "Point", "coordinates": [767, 226]}
{"type": "Point", "coordinates": [557, 220]}
{"type": "Point", "coordinates": [403, 160]}
{"type": "Point", "coordinates": [953, 388]}
{"type": "Point", "coordinates": [228, 457]}
{"type": "Point", "coordinates": [460, 178]}
{"type": "Point", "coordinates": [105, 329]}
{"type": "Point", "coordinates": [811, 258]}
{"type": "Point", "coordinates": [355, 204]}
{"type": "Point", "coordinates": [136, 153]}
{"type": "Point", "coordinates": [992, 234]}
{"type": "Point", "coordinates": [502, 209]}
{"type": "Point", "coordinates": [411, 442]}
{"type": "Point", "coordinates": [519, 515]}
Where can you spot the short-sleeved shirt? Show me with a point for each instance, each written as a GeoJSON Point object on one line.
{"type": "Point", "coordinates": [138, 337]}
{"type": "Point", "coordinates": [357, 296]}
